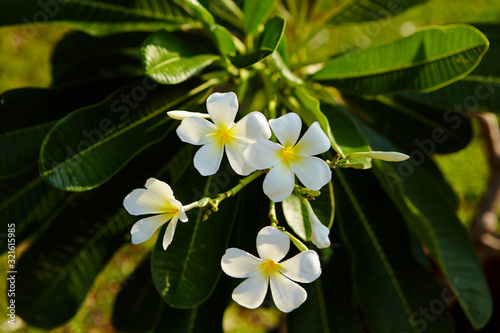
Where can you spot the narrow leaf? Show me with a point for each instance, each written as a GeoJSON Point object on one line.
{"type": "Point", "coordinates": [256, 11]}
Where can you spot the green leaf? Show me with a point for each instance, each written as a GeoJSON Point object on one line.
{"type": "Point", "coordinates": [296, 213]}
{"type": "Point", "coordinates": [390, 285]}
{"type": "Point", "coordinates": [427, 60]}
{"type": "Point", "coordinates": [186, 274]}
{"type": "Point", "coordinates": [415, 126]}
{"type": "Point", "coordinates": [256, 11]}
{"type": "Point", "coordinates": [476, 91]}
{"type": "Point", "coordinates": [28, 114]}
{"type": "Point", "coordinates": [87, 147]}
{"type": "Point", "coordinates": [171, 58]}
{"type": "Point", "coordinates": [28, 202]}
{"type": "Point", "coordinates": [80, 56]}
{"type": "Point", "coordinates": [421, 194]}
{"type": "Point", "coordinates": [97, 17]}
{"type": "Point", "coordinates": [355, 11]}
{"type": "Point", "coordinates": [266, 44]}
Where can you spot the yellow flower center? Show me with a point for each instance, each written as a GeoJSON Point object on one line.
{"type": "Point", "coordinates": [269, 267]}
{"type": "Point", "coordinates": [223, 134]}
{"type": "Point", "coordinates": [288, 154]}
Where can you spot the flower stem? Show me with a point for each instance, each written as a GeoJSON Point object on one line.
{"type": "Point", "coordinates": [272, 214]}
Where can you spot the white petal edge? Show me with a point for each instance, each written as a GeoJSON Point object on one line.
{"type": "Point", "coordinates": [287, 295]}
{"type": "Point", "coordinates": [169, 233]}
{"type": "Point", "coordinates": [320, 232]}
{"type": "Point", "coordinates": [182, 214]}
{"type": "Point", "coordinates": [263, 154]}
{"type": "Point", "coordinates": [272, 244]}
{"type": "Point", "coordinates": [313, 172]}
{"type": "Point", "coordinates": [196, 131]}
{"type": "Point", "coordinates": [161, 189]}
{"type": "Point", "coordinates": [313, 142]}
{"type": "Point", "coordinates": [287, 129]}
{"type": "Point", "coordinates": [207, 159]}
{"type": "Point", "coordinates": [234, 151]}
{"type": "Point", "coordinates": [252, 128]}
{"type": "Point", "coordinates": [251, 292]}
{"type": "Point", "coordinates": [239, 264]}
{"type": "Point", "coordinates": [180, 115]}
{"type": "Point", "coordinates": [222, 108]}
{"type": "Point", "coordinates": [279, 182]}
{"type": "Point", "coordinates": [141, 201]}
{"type": "Point", "coordinates": [143, 229]}
{"type": "Point", "coordinates": [304, 267]}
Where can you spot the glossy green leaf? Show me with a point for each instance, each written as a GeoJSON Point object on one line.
{"type": "Point", "coordinates": [427, 60]}
{"type": "Point", "coordinates": [354, 11]}
{"type": "Point", "coordinates": [90, 145]}
{"type": "Point", "coordinates": [186, 274]}
{"type": "Point", "coordinates": [390, 285]}
{"type": "Point", "coordinates": [478, 91]}
{"type": "Point", "coordinates": [28, 114]}
{"type": "Point", "coordinates": [171, 58]}
{"type": "Point", "coordinates": [296, 212]}
{"type": "Point", "coordinates": [29, 202]}
{"type": "Point", "coordinates": [256, 11]}
{"type": "Point", "coordinates": [421, 194]}
{"type": "Point", "coordinates": [415, 126]}
{"type": "Point", "coordinates": [266, 44]}
{"type": "Point", "coordinates": [97, 17]}
{"type": "Point", "coordinates": [79, 56]}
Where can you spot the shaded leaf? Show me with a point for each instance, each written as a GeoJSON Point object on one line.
{"type": "Point", "coordinates": [390, 286]}
{"type": "Point", "coordinates": [427, 60]}
{"type": "Point", "coordinates": [97, 17]}
{"type": "Point", "coordinates": [422, 196]}
{"type": "Point", "coordinates": [87, 147]}
{"type": "Point", "coordinates": [266, 44]}
{"type": "Point", "coordinates": [28, 114]}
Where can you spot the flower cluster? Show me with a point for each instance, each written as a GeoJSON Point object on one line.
{"type": "Point", "coordinates": [248, 146]}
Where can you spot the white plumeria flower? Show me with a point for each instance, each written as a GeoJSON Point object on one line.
{"type": "Point", "coordinates": [319, 232]}
{"type": "Point", "coordinates": [288, 158]}
{"type": "Point", "coordinates": [222, 134]}
{"type": "Point", "coordinates": [272, 246]}
{"type": "Point", "coordinates": [158, 198]}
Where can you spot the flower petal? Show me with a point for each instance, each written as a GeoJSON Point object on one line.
{"type": "Point", "coordinates": [287, 295]}
{"type": "Point", "coordinates": [313, 172]}
{"type": "Point", "coordinates": [234, 151]}
{"type": "Point", "coordinates": [287, 129]}
{"type": "Point", "coordinates": [182, 214]}
{"type": "Point", "coordinates": [196, 131]}
{"type": "Point", "coordinates": [207, 159]}
{"type": "Point", "coordinates": [143, 229]}
{"type": "Point", "coordinates": [279, 182]}
{"type": "Point", "coordinates": [305, 267]}
{"type": "Point", "coordinates": [263, 154]}
{"type": "Point", "coordinates": [239, 264]}
{"type": "Point", "coordinates": [272, 244]}
{"type": "Point", "coordinates": [320, 232]}
{"type": "Point", "coordinates": [251, 292]}
{"type": "Point", "coordinates": [169, 233]}
{"type": "Point", "coordinates": [313, 142]}
{"type": "Point", "coordinates": [141, 201]}
{"type": "Point", "coordinates": [251, 128]}
{"type": "Point", "coordinates": [222, 108]}
{"type": "Point", "coordinates": [181, 115]}
{"type": "Point", "coordinates": [161, 189]}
